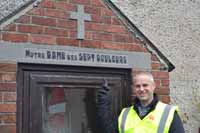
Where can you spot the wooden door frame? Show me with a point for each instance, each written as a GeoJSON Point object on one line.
{"type": "Point", "coordinates": [22, 67]}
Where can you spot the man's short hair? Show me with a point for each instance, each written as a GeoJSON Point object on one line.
{"type": "Point", "coordinates": [144, 73]}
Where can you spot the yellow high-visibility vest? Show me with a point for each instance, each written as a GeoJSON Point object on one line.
{"type": "Point", "coordinates": [157, 121]}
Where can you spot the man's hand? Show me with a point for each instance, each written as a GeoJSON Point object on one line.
{"type": "Point", "coordinates": [105, 84]}
{"type": "Point", "coordinates": [104, 91]}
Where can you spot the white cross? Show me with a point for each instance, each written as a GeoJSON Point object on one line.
{"type": "Point", "coordinates": [81, 17]}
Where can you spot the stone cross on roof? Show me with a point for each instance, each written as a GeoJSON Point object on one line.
{"type": "Point", "coordinates": [81, 17]}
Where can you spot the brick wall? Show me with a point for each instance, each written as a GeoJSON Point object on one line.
{"type": "Point", "coordinates": [49, 24]}
{"type": "Point", "coordinates": [7, 98]}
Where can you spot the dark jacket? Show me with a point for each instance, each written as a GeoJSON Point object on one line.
{"type": "Point", "coordinates": [108, 124]}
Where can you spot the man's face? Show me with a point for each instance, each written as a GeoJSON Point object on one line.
{"type": "Point", "coordinates": [144, 88]}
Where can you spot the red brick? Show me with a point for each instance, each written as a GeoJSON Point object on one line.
{"type": "Point", "coordinates": [116, 21]}
{"type": "Point", "coordinates": [8, 128]}
{"type": "Point", "coordinates": [105, 28]}
{"type": "Point", "coordinates": [30, 29]}
{"type": "Point", "coordinates": [165, 99]}
{"type": "Point", "coordinates": [91, 44]}
{"type": "Point", "coordinates": [43, 39]}
{"type": "Point", "coordinates": [68, 42]}
{"type": "Point", "coordinates": [94, 27]}
{"type": "Point", "coordinates": [8, 87]}
{"type": "Point", "coordinates": [92, 10]}
{"type": "Point", "coordinates": [10, 27]}
{"type": "Point", "coordinates": [101, 19]}
{"type": "Point", "coordinates": [7, 77]}
{"type": "Point", "coordinates": [165, 82]}
{"type": "Point", "coordinates": [56, 32]}
{"type": "Point", "coordinates": [37, 11]}
{"type": "Point", "coordinates": [102, 36]}
{"type": "Point", "coordinates": [97, 3]}
{"type": "Point", "coordinates": [9, 96]}
{"type": "Point", "coordinates": [14, 37]}
{"type": "Point", "coordinates": [105, 20]}
{"type": "Point", "coordinates": [106, 12]}
{"type": "Point", "coordinates": [72, 33]}
{"type": "Point", "coordinates": [0, 35]}
{"type": "Point", "coordinates": [113, 46]}
{"type": "Point", "coordinates": [1, 97]}
{"type": "Point", "coordinates": [8, 118]}
{"type": "Point", "coordinates": [137, 41]}
{"type": "Point", "coordinates": [5, 67]}
{"type": "Point", "coordinates": [162, 91]}
{"type": "Point", "coordinates": [47, 4]}
{"type": "Point", "coordinates": [158, 83]}
{"type": "Point", "coordinates": [56, 13]}
{"type": "Point", "coordinates": [24, 19]}
{"type": "Point", "coordinates": [44, 21]}
{"type": "Point", "coordinates": [116, 29]}
{"type": "Point", "coordinates": [66, 24]}
{"type": "Point", "coordinates": [65, 6]}
{"type": "Point", "coordinates": [88, 35]}
{"type": "Point", "coordinates": [122, 38]}
{"type": "Point", "coordinates": [7, 108]}
{"type": "Point", "coordinates": [84, 2]}
{"type": "Point", "coordinates": [160, 75]}
{"type": "Point", "coordinates": [134, 47]}
{"type": "Point", "coordinates": [155, 66]}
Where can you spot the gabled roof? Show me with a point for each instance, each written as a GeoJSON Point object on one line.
{"type": "Point", "coordinates": [126, 21]}
{"type": "Point", "coordinates": [140, 35]}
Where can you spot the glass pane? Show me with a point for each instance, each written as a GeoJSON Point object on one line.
{"type": "Point", "coordinates": [54, 112]}
{"type": "Point", "coordinates": [69, 110]}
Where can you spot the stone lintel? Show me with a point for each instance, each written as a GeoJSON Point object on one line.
{"type": "Point", "coordinates": [68, 55]}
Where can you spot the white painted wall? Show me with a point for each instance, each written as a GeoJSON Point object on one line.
{"type": "Point", "coordinates": [9, 6]}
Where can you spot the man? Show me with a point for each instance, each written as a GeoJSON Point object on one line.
{"type": "Point", "coordinates": [147, 115]}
